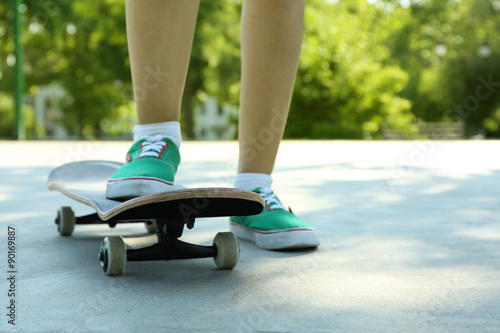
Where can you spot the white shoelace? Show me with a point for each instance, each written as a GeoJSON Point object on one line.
{"type": "Point", "coordinates": [270, 199]}
{"type": "Point", "coordinates": [153, 146]}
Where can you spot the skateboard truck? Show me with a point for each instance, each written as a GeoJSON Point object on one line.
{"type": "Point", "coordinates": [113, 254]}
{"type": "Point", "coordinates": [169, 247]}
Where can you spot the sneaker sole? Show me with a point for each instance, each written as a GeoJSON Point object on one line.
{"type": "Point", "coordinates": [277, 240]}
{"type": "Point", "coordinates": [126, 188]}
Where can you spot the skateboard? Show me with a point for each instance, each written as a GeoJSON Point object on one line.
{"type": "Point", "coordinates": [165, 213]}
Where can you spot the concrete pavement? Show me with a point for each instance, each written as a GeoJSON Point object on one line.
{"type": "Point", "coordinates": [410, 242]}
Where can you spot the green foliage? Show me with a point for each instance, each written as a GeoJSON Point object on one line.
{"type": "Point", "coordinates": [365, 66]}
{"type": "Point", "coordinates": [346, 85]}
{"type": "Point", "coordinates": [440, 83]}
{"type": "Point", "coordinates": [82, 47]}
{"type": "Point", "coordinates": [7, 116]}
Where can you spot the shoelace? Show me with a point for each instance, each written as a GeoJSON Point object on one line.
{"type": "Point", "coordinates": [270, 199]}
{"type": "Point", "coordinates": [153, 146]}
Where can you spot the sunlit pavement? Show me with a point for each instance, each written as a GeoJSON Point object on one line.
{"type": "Point", "coordinates": [410, 241]}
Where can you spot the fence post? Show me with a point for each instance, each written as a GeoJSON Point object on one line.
{"type": "Point", "coordinates": [19, 130]}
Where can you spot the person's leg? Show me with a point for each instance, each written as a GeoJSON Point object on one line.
{"type": "Point", "coordinates": [160, 35]}
{"type": "Point", "coordinates": [271, 39]}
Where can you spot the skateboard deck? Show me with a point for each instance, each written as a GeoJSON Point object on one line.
{"type": "Point", "coordinates": [85, 182]}
{"type": "Point", "coordinates": [164, 213]}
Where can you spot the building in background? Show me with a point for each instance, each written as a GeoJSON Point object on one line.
{"type": "Point", "coordinates": [215, 122]}
{"type": "Point", "coordinates": [47, 112]}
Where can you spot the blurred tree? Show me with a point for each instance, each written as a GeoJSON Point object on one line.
{"type": "Point", "coordinates": [438, 48]}
{"type": "Point", "coordinates": [347, 85]}
{"type": "Point", "coordinates": [474, 24]}
{"type": "Point", "coordinates": [82, 47]}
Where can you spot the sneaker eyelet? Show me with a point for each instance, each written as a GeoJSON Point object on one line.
{"type": "Point", "coordinates": [129, 158]}
{"type": "Point", "coordinates": [167, 145]}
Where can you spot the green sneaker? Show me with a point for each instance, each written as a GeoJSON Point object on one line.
{"type": "Point", "coordinates": [275, 228]}
{"type": "Point", "coordinates": [150, 167]}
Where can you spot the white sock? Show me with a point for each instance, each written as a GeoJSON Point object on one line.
{"type": "Point", "coordinates": [169, 129]}
{"type": "Point", "coordinates": [250, 181]}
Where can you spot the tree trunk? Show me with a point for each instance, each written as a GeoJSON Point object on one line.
{"type": "Point", "coordinates": [187, 111]}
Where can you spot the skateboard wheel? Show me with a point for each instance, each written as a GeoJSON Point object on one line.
{"type": "Point", "coordinates": [65, 221]}
{"type": "Point", "coordinates": [228, 250]}
{"type": "Point", "coordinates": [113, 256]}
{"type": "Point", "coordinates": [151, 228]}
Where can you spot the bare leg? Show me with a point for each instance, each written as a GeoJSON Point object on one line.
{"type": "Point", "coordinates": [271, 39]}
{"type": "Point", "coordinates": [270, 44]}
{"type": "Point", "coordinates": [160, 35]}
